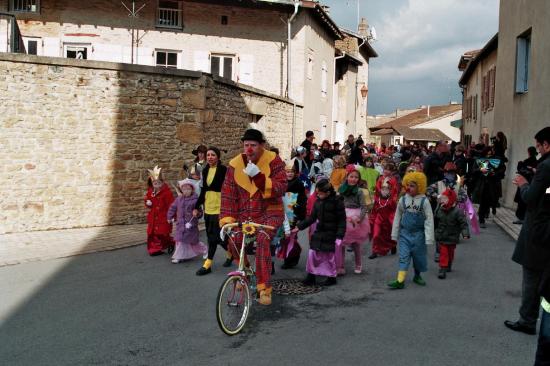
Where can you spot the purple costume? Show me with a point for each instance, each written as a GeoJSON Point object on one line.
{"type": "Point", "coordinates": [187, 238]}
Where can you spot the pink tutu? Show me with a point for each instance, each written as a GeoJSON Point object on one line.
{"type": "Point", "coordinates": [356, 233]}
{"type": "Point", "coordinates": [185, 251]}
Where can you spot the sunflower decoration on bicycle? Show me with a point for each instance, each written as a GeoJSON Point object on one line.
{"type": "Point", "coordinates": [249, 229]}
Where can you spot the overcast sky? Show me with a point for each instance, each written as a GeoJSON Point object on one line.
{"type": "Point", "coordinates": [419, 45]}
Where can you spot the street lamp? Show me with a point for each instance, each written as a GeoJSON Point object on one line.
{"type": "Point", "coordinates": [364, 92]}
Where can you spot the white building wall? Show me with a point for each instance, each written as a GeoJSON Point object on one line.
{"type": "Point", "coordinates": [444, 125]}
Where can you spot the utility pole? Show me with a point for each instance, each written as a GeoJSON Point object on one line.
{"type": "Point", "coordinates": [134, 14]}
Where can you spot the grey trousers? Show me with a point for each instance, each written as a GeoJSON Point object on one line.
{"type": "Point", "coordinates": [530, 297]}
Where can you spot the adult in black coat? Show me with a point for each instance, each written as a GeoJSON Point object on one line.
{"type": "Point", "coordinates": [460, 160]}
{"type": "Point", "coordinates": [527, 169]}
{"type": "Point", "coordinates": [533, 256]}
{"type": "Point", "coordinates": [434, 163]}
{"type": "Point", "coordinates": [310, 136]}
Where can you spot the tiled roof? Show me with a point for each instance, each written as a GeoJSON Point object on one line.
{"type": "Point", "coordinates": [384, 131]}
{"type": "Point", "coordinates": [422, 134]}
{"type": "Point", "coordinates": [419, 117]}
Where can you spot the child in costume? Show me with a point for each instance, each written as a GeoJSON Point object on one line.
{"type": "Point", "coordinates": [294, 202]}
{"type": "Point", "coordinates": [369, 174]}
{"type": "Point", "coordinates": [330, 214]}
{"type": "Point", "coordinates": [338, 175]}
{"type": "Point", "coordinates": [187, 225]}
{"type": "Point", "coordinates": [451, 221]}
{"type": "Point", "coordinates": [158, 200]}
{"type": "Point", "coordinates": [383, 212]}
{"type": "Point", "coordinates": [413, 228]}
{"type": "Point", "coordinates": [357, 227]}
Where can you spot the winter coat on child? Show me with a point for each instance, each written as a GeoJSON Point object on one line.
{"type": "Point", "coordinates": [450, 224]}
{"type": "Point", "coordinates": [331, 216]}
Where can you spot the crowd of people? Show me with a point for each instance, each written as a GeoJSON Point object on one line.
{"type": "Point", "coordinates": [399, 199]}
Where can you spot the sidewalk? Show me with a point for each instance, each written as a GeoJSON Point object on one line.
{"type": "Point", "coordinates": [42, 245]}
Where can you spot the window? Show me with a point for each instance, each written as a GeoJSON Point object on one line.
{"type": "Point", "coordinates": [492, 76]}
{"type": "Point", "coordinates": [225, 20]}
{"type": "Point", "coordinates": [77, 51]}
{"type": "Point", "coordinates": [310, 65]}
{"type": "Point", "coordinates": [222, 65]}
{"type": "Point", "coordinates": [169, 14]}
{"type": "Point", "coordinates": [33, 45]}
{"type": "Point", "coordinates": [25, 6]}
{"type": "Point", "coordinates": [523, 56]}
{"type": "Point", "coordinates": [166, 59]}
{"type": "Point", "coordinates": [324, 74]}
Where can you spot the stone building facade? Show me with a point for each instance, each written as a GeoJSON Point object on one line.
{"type": "Point", "coordinates": [245, 41]}
{"type": "Point", "coordinates": [78, 136]}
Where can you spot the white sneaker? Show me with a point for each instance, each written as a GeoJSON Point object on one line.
{"type": "Point", "coordinates": [175, 261]}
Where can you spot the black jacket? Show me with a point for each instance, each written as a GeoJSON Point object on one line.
{"type": "Point", "coordinates": [296, 186]}
{"type": "Point", "coordinates": [216, 185]}
{"type": "Point", "coordinates": [530, 255]}
{"type": "Point", "coordinates": [433, 167]}
{"type": "Point", "coordinates": [331, 214]}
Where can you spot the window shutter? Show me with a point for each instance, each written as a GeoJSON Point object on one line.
{"type": "Point", "coordinates": [201, 61]}
{"type": "Point", "coordinates": [52, 47]}
{"type": "Point", "coordinates": [493, 87]}
{"type": "Point", "coordinates": [483, 93]}
{"type": "Point", "coordinates": [246, 69]}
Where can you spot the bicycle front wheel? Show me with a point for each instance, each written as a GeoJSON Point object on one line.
{"type": "Point", "coordinates": [233, 305]}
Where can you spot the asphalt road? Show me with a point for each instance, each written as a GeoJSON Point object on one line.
{"type": "Point", "coordinates": [125, 308]}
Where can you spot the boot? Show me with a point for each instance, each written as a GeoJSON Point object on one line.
{"type": "Point", "coordinates": [205, 269]}
{"type": "Point", "coordinates": [272, 268]}
{"type": "Point", "coordinates": [393, 250]}
{"type": "Point", "coordinates": [442, 274]}
{"type": "Point", "coordinates": [330, 281]}
{"type": "Point", "coordinates": [265, 296]}
{"type": "Point", "coordinates": [309, 280]}
{"type": "Point", "coordinates": [228, 259]}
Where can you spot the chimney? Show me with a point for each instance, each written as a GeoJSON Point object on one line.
{"type": "Point", "coordinates": [428, 111]}
{"type": "Point", "coordinates": [363, 28]}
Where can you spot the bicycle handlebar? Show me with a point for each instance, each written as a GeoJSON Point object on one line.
{"type": "Point", "coordinates": [240, 224]}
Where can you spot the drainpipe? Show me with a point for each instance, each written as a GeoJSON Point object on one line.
{"type": "Point", "coordinates": [288, 71]}
{"type": "Point", "coordinates": [334, 116]}
{"type": "Point", "coordinates": [356, 86]}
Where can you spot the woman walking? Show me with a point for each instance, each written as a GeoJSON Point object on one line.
{"type": "Point", "coordinates": [210, 197]}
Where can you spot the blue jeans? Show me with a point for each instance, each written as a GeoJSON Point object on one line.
{"type": "Point", "coordinates": [543, 350]}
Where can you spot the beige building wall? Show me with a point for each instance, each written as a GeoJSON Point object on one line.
{"type": "Point", "coordinates": [312, 40]}
{"type": "Point", "coordinates": [521, 116]}
{"type": "Point", "coordinates": [481, 119]}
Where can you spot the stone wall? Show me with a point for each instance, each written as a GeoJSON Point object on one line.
{"type": "Point", "coordinates": [78, 136]}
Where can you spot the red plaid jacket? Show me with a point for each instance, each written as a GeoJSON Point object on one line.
{"type": "Point", "coordinates": [257, 199]}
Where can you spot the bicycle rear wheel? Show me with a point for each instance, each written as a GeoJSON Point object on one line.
{"type": "Point", "coordinates": [233, 305]}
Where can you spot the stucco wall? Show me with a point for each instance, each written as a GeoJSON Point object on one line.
{"type": "Point", "coordinates": [78, 136]}
{"type": "Point", "coordinates": [484, 119]}
{"type": "Point", "coordinates": [520, 116]}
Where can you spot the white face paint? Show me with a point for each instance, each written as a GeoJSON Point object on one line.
{"type": "Point", "coordinates": [385, 192]}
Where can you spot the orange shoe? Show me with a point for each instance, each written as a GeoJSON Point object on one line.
{"type": "Point", "coordinates": [265, 296]}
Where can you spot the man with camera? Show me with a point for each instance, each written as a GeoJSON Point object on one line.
{"type": "Point", "coordinates": [533, 246]}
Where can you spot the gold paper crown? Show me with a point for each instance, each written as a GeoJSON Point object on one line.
{"type": "Point", "coordinates": [155, 173]}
